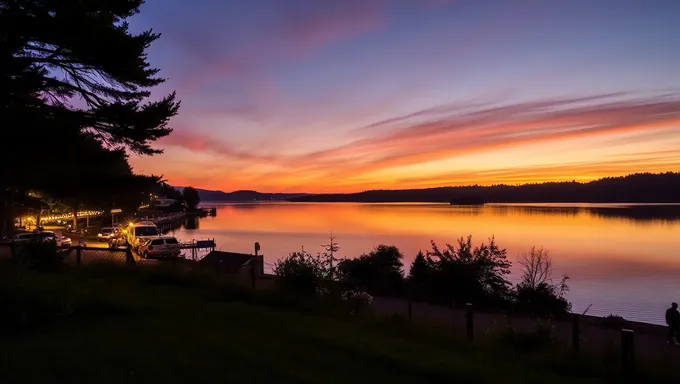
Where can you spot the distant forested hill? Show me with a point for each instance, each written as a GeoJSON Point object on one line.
{"type": "Point", "coordinates": [636, 188]}
{"type": "Point", "coordinates": [242, 196]}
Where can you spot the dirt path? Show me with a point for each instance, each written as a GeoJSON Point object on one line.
{"type": "Point", "coordinates": [649, 338]}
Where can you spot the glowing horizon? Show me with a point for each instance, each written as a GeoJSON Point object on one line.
{"type": "Point", "coordinates": [346, 96]}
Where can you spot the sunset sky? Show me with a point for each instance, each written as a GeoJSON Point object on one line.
{"type": "Point", "coordinates": [348, 95]}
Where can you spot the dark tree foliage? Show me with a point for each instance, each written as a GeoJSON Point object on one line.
{"type": "Point", "coordinates": [301, 273]}
{"type": "Point", "coordinates": [166, 190]}
{"type": "Point", "coordinates": [58, 51]}
{"type": "Point", "coordinates": [463, 273]}
{"type": "Point", "coordinates": [542, 299]}
{"type": "Point", "coordinates": [419, 269]}
{"type": "Point", "coordinates": [98, 179]}
{"type": "Point", "coordinates": [191, 197]}
{"type": "Point", "coordinates": [71, 71]}
{"type": "Point", "coordinates": [419, 276]}
{"type": "Point", "coordinates": [379, 272]}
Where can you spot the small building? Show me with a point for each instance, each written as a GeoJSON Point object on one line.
{"type": "Point", "coordinates": [233, 263]}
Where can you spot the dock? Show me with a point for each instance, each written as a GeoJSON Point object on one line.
{"type": "Point", "coordinates": [198, 248]}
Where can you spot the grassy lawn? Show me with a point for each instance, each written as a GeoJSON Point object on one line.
{"type": "Point", "coordinates": [104, 327]}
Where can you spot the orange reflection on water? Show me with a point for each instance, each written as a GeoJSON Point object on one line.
{"type": "Point", "coordinates": [621, 260]}
{"type": "Point", "coordinates": [569, 233]}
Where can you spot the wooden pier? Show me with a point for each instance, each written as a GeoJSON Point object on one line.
{"type": "Point", "coordinates": [198, 248]}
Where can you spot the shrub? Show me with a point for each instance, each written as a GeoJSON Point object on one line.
{"type": "Point", "coordinates": [301, 273]}
{"type": "Point", "coordinates": [535, 293]}
{"type": "Point", "coordinates": [614, 322]}
{"type": "Point", "coordinates": [544, 299]}
{"type": "Point", "coordinates": [465, 274]}
{"type": "Point", "coordinates": [380, 272]}
{"type": "Point", "coordinates": [358, 302]}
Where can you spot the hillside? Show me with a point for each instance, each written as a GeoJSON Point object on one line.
{"type": "Point", "coordinates": [636, 188]}
{"type": "Point", "coordinates": [244, 195]}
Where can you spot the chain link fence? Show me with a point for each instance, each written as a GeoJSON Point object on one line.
{"type": "Point", "coordinates": [85, 255]}
{"type": "Point", "coordinates": [76, 255]}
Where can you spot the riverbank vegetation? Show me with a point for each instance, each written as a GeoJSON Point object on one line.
{"type": "Point", "coordinates": [454, 275]}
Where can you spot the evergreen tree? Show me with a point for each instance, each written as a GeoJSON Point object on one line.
{"type": "Point", "coordinates": [58, 51]}
{"type": "Point", "coordinates": [71, 71]}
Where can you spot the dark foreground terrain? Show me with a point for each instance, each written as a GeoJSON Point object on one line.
{"type": "Point", "coordinates": [113, 324]}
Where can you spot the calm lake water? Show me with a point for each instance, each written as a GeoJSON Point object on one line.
{"type": "Point", "coordinates": [622, 259]}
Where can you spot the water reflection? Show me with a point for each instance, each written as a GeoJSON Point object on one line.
{"type": "Point", "coordinates": [192, 223]}
{"type": "Point", "coordinates": [614, 254]}
{"type": "Point", "coordinates": [640, 212]}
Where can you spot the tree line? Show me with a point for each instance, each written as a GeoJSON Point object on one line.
{"type": "Point", "coordinates": [634, 188]}
{"type": "Point", "coordinates": [452, 275]}
{"type": "Point", "coordinates": [75, 87]}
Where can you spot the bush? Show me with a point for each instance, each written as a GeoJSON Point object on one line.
{"type": "Point", "coordinates": [544, 299]}
{"type": "Point", "coordinates": [614, 322]}
{"type": "Point", "coordinates": [301, 273]}
{"type": "Point", "coordinates": [535, 293]}
{"type": "Point", "coordinates": [380, 272]}
{"type": "Point", "coordinates": [358, 302]}
{"type": "Point", "coordinates": [463, 274]}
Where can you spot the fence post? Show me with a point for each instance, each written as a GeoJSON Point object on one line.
{"type": "Point", "coordinates": [575, 334]}
{"type": "Point", "coordinates": [78, 254]}
{"type": "Point", "coordinates": [129, 258]}
{"type": "Point", "coordinates": [469, 321]}
{"type": "Point", "coordinates": [628, 350]}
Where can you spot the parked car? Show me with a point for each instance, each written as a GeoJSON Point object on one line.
{"type": "Point", "coordinates": [108, 233]}
{"type": "Point", "coordinates": [160, 246]}
{"type": "Point", "coordinates": [26, 237]}
{"type": "Point", "coordinates": [62, 241]}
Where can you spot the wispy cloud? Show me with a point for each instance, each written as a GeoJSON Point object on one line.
{"type": "Point", "coordinates": [447, 132]}
{"type": "Point", "coordinates": [310, 24]}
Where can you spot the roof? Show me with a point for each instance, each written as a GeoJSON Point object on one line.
{"type": "Point", "coordinates": [226, 258]}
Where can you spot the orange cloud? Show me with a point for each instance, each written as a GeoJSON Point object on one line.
{"type": "Point", "coordinates": [449, 132]}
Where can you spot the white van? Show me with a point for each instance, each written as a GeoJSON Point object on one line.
{"type": "Point", "coordinates": [138, 233]}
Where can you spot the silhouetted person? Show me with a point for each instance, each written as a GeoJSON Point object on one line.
{"type": "Point", "coordinates": [673, 321]}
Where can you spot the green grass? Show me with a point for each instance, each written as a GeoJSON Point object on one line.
{"type": "Point", "coordinates": [112, 325]}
